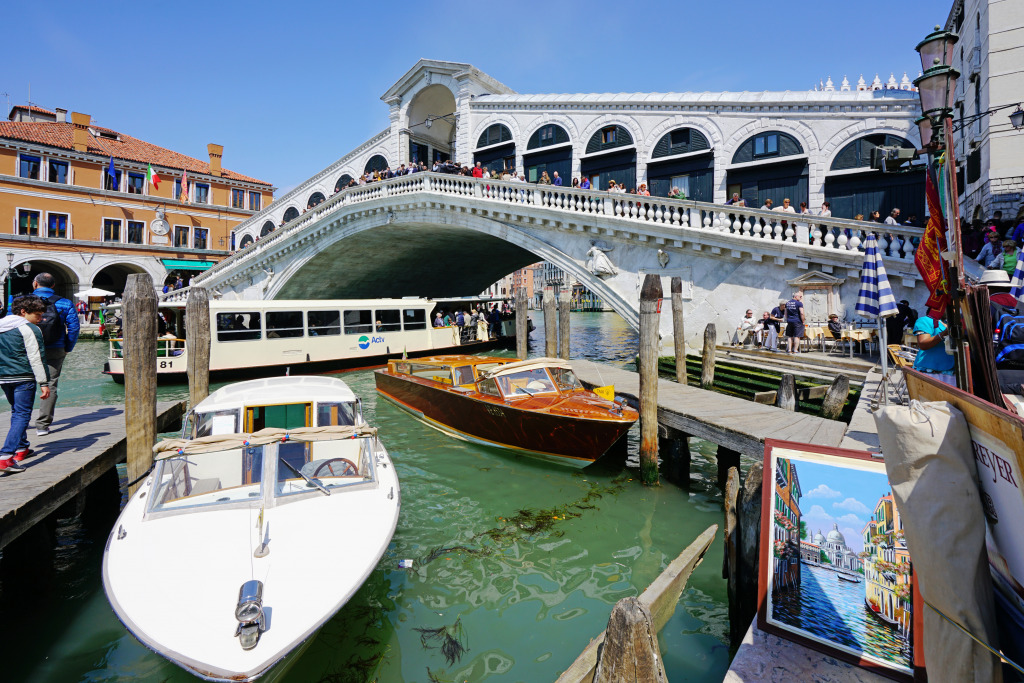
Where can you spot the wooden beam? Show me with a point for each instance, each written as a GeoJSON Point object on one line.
{"type": "Point", "coordinates": [139, 316]}
{"type": "Point", "coordinates": [522, 330]}
{"type": "Point", "coordinates": [550, 324]}
{"type": "Point", "coordinates": [650, 296]}
{"type": "Point", "coordinates": [678, 331]}
{"type": "Point", "coordinates": [564, 302]}
{"type": "Point", "coordinates": [802, 394]}
{"type": "Point", "coordinates": [197, 344]}
{"type": "Point", "coordinates": [630, 653]}
{"type": "Point", "coordinates": [707, 371]}
{"type": "Point", "coordinates": [835, 399]}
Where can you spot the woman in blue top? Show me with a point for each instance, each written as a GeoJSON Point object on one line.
{"type": "Point", "coordinates": [932, 357]}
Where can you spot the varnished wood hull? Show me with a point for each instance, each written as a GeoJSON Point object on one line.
{"type": "Point", "coordinates": [567, 440]}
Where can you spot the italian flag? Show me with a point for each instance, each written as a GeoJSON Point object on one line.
{"type": "Point", "coordinates": [152, 177]}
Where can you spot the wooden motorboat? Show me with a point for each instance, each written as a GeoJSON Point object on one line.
{"type": "Point", "coordinates": [537, 407]}
{"type": "Point", "coordinates": [239, 546]}
{"type": "Point", "coordinates": [849, 579]}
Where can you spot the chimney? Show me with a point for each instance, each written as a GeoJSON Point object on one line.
{"type": "Point", "coordinates": [81, 133]}
{"type": "Point", "coordinates": [216, 152]}
{"type": "Point", "coordinates": [62, 115]}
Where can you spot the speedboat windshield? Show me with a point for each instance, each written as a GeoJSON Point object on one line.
{"type": "Point", "coordinates": [229, 476]}
{"type": "Point", "coordinates": [526, 383]}
{"type": "Point", "coordinates": [331, 464]}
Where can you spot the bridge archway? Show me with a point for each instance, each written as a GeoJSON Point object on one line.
{"type": "Point", "coordinates": [66, 285]}
{"type": "Point", "coordinates": [315, 199]}
{"type": "Point", "coordinates": [375, 163]}
{"type": "Point", "coordinates": [115, 276]}
{"type": "Point", "coordinates": [246, 241]}
{"type": "Point", "coordinates": [343, 182]}
{"type": "Point", "coordinates": [290, 214]}
{"type": "Point", "coordinates": [431, 118]}
{"type": "Point", "coordinates": [268, 227]}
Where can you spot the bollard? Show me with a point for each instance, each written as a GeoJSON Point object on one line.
{"type": "Point", "coordinates": [650, 295]}
{"type": "Point", "coordinates": [835, 398]}
{"type": "Point", "coordinates": [197, 344]}
{"type": "Point", "coordinates": [138, 310]}
{"type": "Point", "coordinates": [730, 558]}
{"type": "Point", "coordinates": [707, 370]}
{"type": "Point", "coordinates": [630, 651]}
{"type": "Point", "coordinates": [550, 324]}
{"type": "Point", "coordinates": [678, 334]}
{"type": "Point", "coordinates": [785, 397]}
{"type": "Point", "coordinates": [564, 304]}
{"type": "Point", "coordinates": [522, 327]}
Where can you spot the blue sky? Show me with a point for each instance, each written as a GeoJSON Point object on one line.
{"type": "Point", "coordinates": [288, 88]}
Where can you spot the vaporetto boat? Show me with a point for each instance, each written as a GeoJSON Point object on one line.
{"type": "Point", "coordinates": [238, 547]}
{"type": "Point", "coordinates": [257, 338]}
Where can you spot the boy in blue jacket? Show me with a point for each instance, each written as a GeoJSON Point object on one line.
{"type": "Point", "coordinates": [22, 366]}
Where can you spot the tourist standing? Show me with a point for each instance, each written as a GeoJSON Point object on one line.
{"type": "Point", "coordinates": [794, 323]}
{"type": "Point", "coordinates": [585, 185]}
{"type": "Point", "coordinates": [477, 171]}
{"type": "Point", "coordinates": [556, 179]}
{"type": "Point", "coordinates": [22, 366]}
{"type": "Point", "coordinates": [495, 320]}
{"type": "Point", "coordinates": [544, 178]}
{"type": "Point", "coordinates": [59, 327]}
{"type": "Point", "coordinates": [932, 357]}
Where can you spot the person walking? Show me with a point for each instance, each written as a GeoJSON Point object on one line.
{"type": "Point", "coordinates": [59, 327]}
{"type": "Point", "coordinates": [22, 366]}
{"type": "Point", "coordinates": [794, 323]}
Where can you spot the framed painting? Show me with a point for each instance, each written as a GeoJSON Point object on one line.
{"type": "Point", "coordinates": [835, 572]}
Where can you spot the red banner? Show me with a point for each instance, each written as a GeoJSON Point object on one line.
{"type": "Point", "coordinates": [928, 258]}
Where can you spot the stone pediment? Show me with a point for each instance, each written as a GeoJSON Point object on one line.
{"type": "Point", "coordinates": [815, 278]}
{"type": "Point", "coordinates": [431, 69]}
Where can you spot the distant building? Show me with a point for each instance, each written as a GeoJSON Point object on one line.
{"type": "Point", "coordinates": [887, 568]}
{"type": "Point", "coordinates": [810, 552]}
{"type": "Point", "coordinates": [75, 201]}
{"type": "Point", "coordinates": [839, 555]}
{"type": "Point", "coordinates": [786, 526]}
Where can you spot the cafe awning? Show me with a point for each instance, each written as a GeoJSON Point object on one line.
{"type": "Point", "coordinates": [181, 264]}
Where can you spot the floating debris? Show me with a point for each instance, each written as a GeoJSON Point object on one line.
{"type": "Point", "coordinates": [450, 639]}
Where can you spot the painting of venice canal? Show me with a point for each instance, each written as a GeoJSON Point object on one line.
{"type": "Point", "coordinates": [841, 572]}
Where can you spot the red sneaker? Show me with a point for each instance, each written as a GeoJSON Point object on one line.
{"type": "Point", "coordinates": [21, 454]}
{"type": "Point", "coordinates": [8, 466]}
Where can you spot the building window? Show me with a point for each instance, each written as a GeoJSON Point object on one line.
{"type": "Point", "coordinates": [181, 236]}
{"type": "Point", "coordinates": [547, 134]}
{"type": "Point", "coordinates": [202, 193]}
{"type": "Point", "coordinates": [608, 136]}
{"type": "Point", "coordinates": [28, 222]}
{"type": "Point", "coordinates": [766, 145]}
{"type": "Point", "coordinates": [136, 232]}
{"type": "Point", "coordinates": [112, 183]}
{"type": "Point", "coordinates": [57, 225]}
{"type": "Point", "coordinates": [59, 172]}
{"type": "Point", "coordinates": [237, 199]}
{"type": "Point", "coordinates": [28, 167]}
{"type": "Point", "coordinates": [255, 199]}
{"type": "Point", "coordinates": [177, 189]}
{"type": "Point", "coordinates": [199, 238]}
{"type": "Point", "coordinates": [111, 230]}
{"type": "Point", "coordinates": [136, 183]}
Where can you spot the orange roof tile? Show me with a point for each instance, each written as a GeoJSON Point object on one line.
{"type": "Point", "coordinates": [126, 147]}
{"type": "Point", "coordinates": [31, 108]}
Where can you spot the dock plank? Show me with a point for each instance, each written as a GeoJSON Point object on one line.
{"type": "Point", "coordinates": [83, 444]}
{"type": "Point", "coordinates": [728, 421]}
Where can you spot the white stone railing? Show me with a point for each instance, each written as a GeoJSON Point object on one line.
{"type": "Point", "coordinates": [777, 229]}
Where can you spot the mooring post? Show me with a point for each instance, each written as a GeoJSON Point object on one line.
{"type": "Point", "coordinates": [522, 328]}
{"type": "Point", "coordinates": [748, 514]}
{"type": "Point", "coordinates": [139, 316]}
{"type": "Point", "coordinates": [674, 449]}
{"type": "Point", "coordinates": [785, 397]}
{"type": "Point", "coordinates": [550, 324]}
{"type": "Point", "coordinates": [650, 295]}
{"type": "Point", "coordinates": [835, 398]}
{"type": "Point", "coordinates": [727, 458]}
{"type": "Point", "coordinates": [564, 303]}
{"type": "Point", "coordinates": [630, 652]}
{"type": "Point", "coordinates": [730, 558]}
{"type": "Point", "coordinates": [707, 370]}
{"type": "Point", "coordinates": [197, 344]}
{"type": "Point", "coordinates": [678, 334]}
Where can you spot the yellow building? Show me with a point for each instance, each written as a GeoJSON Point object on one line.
{"type": "Point", "coordinates": [887, 567]}
{"type": "Point", "coordinates": [76, 201]}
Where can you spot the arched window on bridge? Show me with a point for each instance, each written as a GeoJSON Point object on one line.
{"type": "Point", "coordinates": [853, 187]}
{"type": "Point", "coordinates": [290, 214]}
{"type": "Point", "coordinates": [315, 199]}
{"type": "Point", "coordinates": [246, 241]}
{"type": "Point", "coordinates": [541, 159]}
{"type": "Point", "coordinates": [618, 166]}
{"type": "Point", "coordinates": [692, 174]}
{"type": "Point", "coordinates": [500, 152]}
{"type": "Point", "coordinates": [342, 183]}
{"type": "Point", "coordinates": [267, 228]}
{"type": "Point", "coordinates": [375, 163]}
{"type": "Point", "coordinates": [777, 171]}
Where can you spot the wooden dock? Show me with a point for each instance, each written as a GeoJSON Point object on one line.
{"type": "Point", "coordinates": [82, 445]}
{"type": "Point", "coordinates": [728, 421]}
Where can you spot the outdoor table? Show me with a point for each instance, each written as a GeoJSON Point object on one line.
{"type": "Point", "coordinates": [858, 335]}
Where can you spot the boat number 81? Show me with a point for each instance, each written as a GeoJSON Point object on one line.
{"type": "Point", "coordinates": [164, 364]}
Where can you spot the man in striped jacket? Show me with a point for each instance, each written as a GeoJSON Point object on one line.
{"type": "Point", "coordinates": [22, 366]}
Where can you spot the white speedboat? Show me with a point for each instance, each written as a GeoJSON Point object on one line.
{"type": "Point", "coordinates": [238, 547]}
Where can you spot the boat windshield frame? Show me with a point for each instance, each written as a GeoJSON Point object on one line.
{"type": "Point", "coordinates": [526, 382]}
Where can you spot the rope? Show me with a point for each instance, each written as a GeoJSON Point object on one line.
{"type": "Point", "coordinates": [975, 639]}
{"type": "Point", "coordinates": [136, 480]}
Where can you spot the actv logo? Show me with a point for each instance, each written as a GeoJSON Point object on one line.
{"type": "Point", "coordinates": [364, 341]}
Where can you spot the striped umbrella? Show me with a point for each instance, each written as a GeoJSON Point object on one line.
{"type": "Point", "coordinates": [1017, 281]}
{"type": "Point", "coordinates": [875, 300]}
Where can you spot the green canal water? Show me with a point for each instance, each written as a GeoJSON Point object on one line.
{"type": "Point", "coordinates": [517, 560]}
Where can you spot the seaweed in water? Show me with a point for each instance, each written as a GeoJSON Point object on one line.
{"type": "Point", "coordinates": [433, 677]}
{"type": "Point", "coordinates": [449, 637]}
{"type": "Point", "coordinates": [444, 550]}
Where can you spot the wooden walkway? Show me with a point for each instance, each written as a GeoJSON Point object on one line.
{"type": "Point", "coordinates": [728, 421]}
{"type": "Point", "coordinates": [83, 444]}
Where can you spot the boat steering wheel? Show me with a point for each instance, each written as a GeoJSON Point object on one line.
{"type": "Point", "coordinates": [348, 468]}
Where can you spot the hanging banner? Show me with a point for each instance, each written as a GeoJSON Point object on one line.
{"type": "Point", "coordinates": [928, 257]}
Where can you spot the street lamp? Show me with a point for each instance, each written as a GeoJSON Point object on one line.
{"type": "Point", "coordinates": [12, 273]}
{"type": "Point", "coordinates": [1017, 117]}
{"type": "Point", "coordinates": [924, 125]}
{"type": "Point", "coordinates": [937, 47]}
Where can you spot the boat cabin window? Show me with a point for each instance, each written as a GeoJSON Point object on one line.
{"type": "Point", "coordinates": [358, 322]}
{"type": "Point", "coordinates": [525, 383]}
{"type": "Point", "coordinates": [282, 416]}
{"type": "Point", "coordinates": [463, 374]}
{"type": "Point", "coordinates": [284, 324]}
{"type": "Point", "coordinates": [389, 321]}
{"type": "Point", "coordinates": [565, 379]}
{"type": "Point", "coordinates": [238, 326]}
{"type": "Point", "coordinates": [323, 323]}
{"type": "Point", "coordinates": [227, 476]}
{"type": "Point", "coordinates": [215, 422]}
{"type": "Point", "coordinates": [437, 373]}
{"type": "Point", "coordinates": [333, 463]}
{"type": "Point", "coordinates": [488, 386]}
{"type": "Point", "coordinates": [332, 414]}
{"type": "Point", "coordinates": [414, 319]}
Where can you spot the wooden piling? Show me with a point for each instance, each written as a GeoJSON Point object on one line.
{"type": "Point", "coordinates": [730, 558]}
{"type": "Point", "coordinates": [138, 309]}
{"type": "Point", "coordinates": [674, 449]}
{"type": "Point", "coordinates": [835, 398]}
{"type": "Point", "coordinates": [650, 295]}
{"type": "Point", "coordinates": [748, 514]}
{"type": "Point", "coordinates": [522, 320]}
{"type": "Point", "coordinates": [550, 324]}
{"type": "Point", "coordinates": [630, 653]}
{"type": "Point", "coordinates": [785, 398]}
{"type": "Point", "coordinates": [727, 458]}
{"type": "Point", "coordinates": [564, 304]}
{"type": "Point", "coordinates": [707, 370]}
{"type": "Point", "coordinates": [678, 334]}
{"type": "Point", "coordinates": [197, 344]}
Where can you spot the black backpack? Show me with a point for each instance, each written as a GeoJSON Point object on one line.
{"type": "Point", "coordinates": [1009, 343]}
{"type": "Point", "coordinates": [52, 325]}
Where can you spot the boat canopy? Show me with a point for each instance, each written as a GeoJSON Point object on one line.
{"type": "Point", "coordinates": [169, 448]}
{"type": "Point", "coordinates": [532, 364]}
